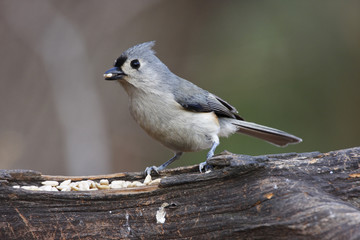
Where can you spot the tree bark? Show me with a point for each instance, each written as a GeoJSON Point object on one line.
{"type": "Point", "coordinates": [285, 196]}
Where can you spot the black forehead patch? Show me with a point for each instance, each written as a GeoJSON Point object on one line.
{"type": "Point", "coordinates": [120, 61]}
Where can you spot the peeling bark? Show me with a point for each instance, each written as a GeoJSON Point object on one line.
{"type": "Point", "coordinates": [285, 196]}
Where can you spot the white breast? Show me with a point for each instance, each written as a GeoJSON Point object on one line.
{"type": "Point", "coordinates": [172, 125]}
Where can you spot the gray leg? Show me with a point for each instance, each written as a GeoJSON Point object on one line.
{"type": "Point", "coordinates": [209, 155]}
{"type": "Point", "coordinates": [164, 165]}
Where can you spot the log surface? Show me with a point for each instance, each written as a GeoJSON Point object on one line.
{"type": "Point", "coordinates": [286, 196]}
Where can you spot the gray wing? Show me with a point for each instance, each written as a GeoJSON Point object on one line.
{"type": "Point", "coordinates": [196, 99]}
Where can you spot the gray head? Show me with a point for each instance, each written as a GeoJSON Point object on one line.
{"type": "Point", "coordinates": [138, 66]}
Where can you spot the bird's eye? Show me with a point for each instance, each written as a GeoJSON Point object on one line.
{"type": "Point", "coordinates": [135, 64]}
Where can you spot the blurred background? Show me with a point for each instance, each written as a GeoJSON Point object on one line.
{"type": "Point", "coordinates": [292, 65]}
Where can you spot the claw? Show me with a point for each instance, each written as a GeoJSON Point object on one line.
{"type": "Point", "coordinates": [210, 154]}
{"type": "Point", "coordinates": [148, 170]}
{"type": "Point", "coordinates": [201, 166]}
{"type": "Point", "coordinates": [164, 165]}
{"type": "Point", "coordinates": [205, 166]}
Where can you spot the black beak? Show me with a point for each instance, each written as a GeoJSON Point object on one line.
{"type": "Point", "coordinates": [114, 73]}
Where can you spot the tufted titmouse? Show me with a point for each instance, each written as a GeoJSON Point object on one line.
{"type": "Point", "coordinates": [176, 112]}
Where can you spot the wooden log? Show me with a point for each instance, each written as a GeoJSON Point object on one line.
{"type": "Point", "coordinates": [285, 196]}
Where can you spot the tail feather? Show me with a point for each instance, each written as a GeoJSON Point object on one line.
{"type": "Point", "coordinates": [272, 135]}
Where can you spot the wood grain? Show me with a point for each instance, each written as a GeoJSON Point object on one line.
{"type": "Point", "coordinates": [286, 196]}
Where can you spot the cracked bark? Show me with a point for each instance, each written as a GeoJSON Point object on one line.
{"type": "Point", "coordinates": [298, 196]}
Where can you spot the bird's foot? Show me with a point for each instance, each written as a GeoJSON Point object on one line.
{"type": "Point", "coordinates": [204, 167]}
{"type": "Point", "coordinates": [148, 170]}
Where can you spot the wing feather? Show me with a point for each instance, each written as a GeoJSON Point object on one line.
{"type": "Point", "coordinates": [203, 101]}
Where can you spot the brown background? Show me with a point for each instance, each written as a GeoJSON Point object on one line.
{"type": "Point", "coordinates": [293, 65]}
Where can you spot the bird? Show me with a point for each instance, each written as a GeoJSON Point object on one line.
{"type": "Point", "coordinates": [178, 113]}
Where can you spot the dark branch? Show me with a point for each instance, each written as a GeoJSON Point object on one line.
{"type": "Point", "coordinates": [285, 196]}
